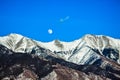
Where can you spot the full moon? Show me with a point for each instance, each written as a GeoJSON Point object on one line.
{"type": "Point", "coordinates": [50, 31]}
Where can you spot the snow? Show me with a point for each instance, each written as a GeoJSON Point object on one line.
{"type": "Point", "coordinates": [66, 45]}
{"type": "Point", "coordinates": [77, 51]}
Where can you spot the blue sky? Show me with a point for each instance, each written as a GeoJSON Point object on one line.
{"type": "Point", "coordinates": [69, 19]}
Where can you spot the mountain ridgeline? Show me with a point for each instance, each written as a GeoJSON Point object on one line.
{"type": "Point", "coordinates": [92, 57]}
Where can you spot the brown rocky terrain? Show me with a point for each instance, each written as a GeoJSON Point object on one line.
{"type": "Point", "coordinates": [25, 66]}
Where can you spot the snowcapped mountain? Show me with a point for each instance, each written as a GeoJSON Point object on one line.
{"type": "Point", "coordinates": [87, 54]}
{"type": "Point", "coordinates": [86, 50]}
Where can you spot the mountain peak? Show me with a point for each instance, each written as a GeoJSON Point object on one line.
{"type": "Point", "coordinates": [101, 51]}
{"type": "Point", "coordinates": [88, 35]}
{"type": "Point", "coordinates": [14, 35]}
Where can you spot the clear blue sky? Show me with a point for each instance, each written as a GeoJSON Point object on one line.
{"type": "Point", "coordinates": [69, 19]}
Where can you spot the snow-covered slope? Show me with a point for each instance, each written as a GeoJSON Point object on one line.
{"type": "Point", "coordinates": [86, 50]}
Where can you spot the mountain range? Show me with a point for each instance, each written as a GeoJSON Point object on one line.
{"type": "Point", "coordinates": [92, 57]}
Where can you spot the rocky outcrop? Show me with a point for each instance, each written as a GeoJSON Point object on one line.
{"type": "Point", "coordinates": [89, 58]}
{"type": "Point", "coordinates": [24, 66]}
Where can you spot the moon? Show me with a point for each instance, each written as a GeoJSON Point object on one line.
{"type": "Point", "coordinates": [50, 31]}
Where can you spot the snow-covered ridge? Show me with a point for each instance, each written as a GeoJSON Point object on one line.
{"type": "Point", "coordinates": [80, 51]}
{"type": "Point", "coordinates": [15, 41]}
